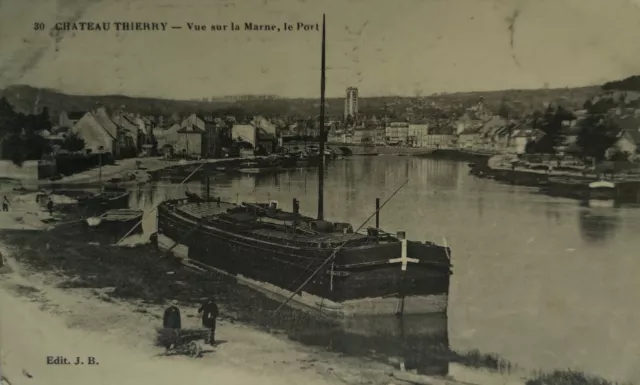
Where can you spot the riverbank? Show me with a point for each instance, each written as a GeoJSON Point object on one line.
{"type": "Point", "coordinates": [133, 169]}
{"type": "Point", "coordinates": [141, 170]}
{"type": "Point", "coordinates": [56, 312]}
{"type": "Point", "coordinates": [457, 155]}
{"type": "Point", "coordinates": [565, 182]}
{"type": "Point", "coordinates": [349, 149]}
{"type": "Point", "coordinates": [360, 149]}
{"type": "Point", "coordinates": [47, 321]}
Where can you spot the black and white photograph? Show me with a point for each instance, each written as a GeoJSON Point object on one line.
{"type": "Point", "coordinates": [360, 192]}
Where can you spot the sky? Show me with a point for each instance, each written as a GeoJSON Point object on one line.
{"type": "Point", "coordinates": [383, 47]}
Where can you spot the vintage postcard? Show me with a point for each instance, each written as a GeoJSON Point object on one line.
{"type": "Point", "coordinates": [319, 192]}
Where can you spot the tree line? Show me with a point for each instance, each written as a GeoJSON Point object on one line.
{"type": "Point", "coordinates": [596, 132]}
{"type": "Point", "coordinates": [21, 136]}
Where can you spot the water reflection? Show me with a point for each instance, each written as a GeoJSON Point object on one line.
{"type": "Point", "coordinates": [598, 225]}
{"type": "Point", "coordinates": [421, 343]}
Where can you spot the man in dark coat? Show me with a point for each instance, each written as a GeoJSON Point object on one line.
{"type": "Point", "coordinates": [50, 206]}
{"type": "Point", "coordinates": [171, 319]}
{"type": "Point", "coordinates": [171, 323]}
{"type": "Point", "coordinates": [209, 311]}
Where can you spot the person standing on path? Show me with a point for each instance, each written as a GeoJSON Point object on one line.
{"type": "Point", "coordinates": [209, 312]}
{"type": "Point", "coordinates": [171, 323]}
{"type": "Point", "coordinates": [171, 319]}
{"type": "Point", "coordinates": [5, 203]}
{"type": "Point", "coordinates": [50, 206]}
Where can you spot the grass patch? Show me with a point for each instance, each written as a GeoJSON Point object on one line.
{"type": "Point", "coordinates": [568, 377]}
{"type": "Point", "coordinates": [477, 359]}
{"type": "Point", "coordinates": [25, 291]}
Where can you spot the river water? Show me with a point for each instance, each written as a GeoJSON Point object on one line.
{"type": "Point", "coordinates": [544, 282]}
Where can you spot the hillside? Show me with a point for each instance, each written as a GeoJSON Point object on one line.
{"type": "Point", "coordinates": [632, 83]}
{"type": "Point", "coordinates": [24, 98]}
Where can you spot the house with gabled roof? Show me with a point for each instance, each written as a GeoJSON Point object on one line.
{"type": "Point", "coordinates": [523, 136]}
{"type": "Point", "coordinates": [190, 136]}
{"type": "Point", "coordinates": [628, 139]}
{"type": "Point", "coordinates": [102, 133]}
{"type": "Point", "coordinates": [166, 136]}
{"type": "Point", "coordinates": [128, 135]}
{"type": "Point", "coordinates": [96, 137]}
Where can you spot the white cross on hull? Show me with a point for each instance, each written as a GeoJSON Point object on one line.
{"type": "Point", "coordinates": [403, 259]}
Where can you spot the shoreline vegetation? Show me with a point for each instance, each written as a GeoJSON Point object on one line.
{"type": "Point", "coordinates": [141, 278]}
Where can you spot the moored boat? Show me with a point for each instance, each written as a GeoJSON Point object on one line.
{"type": "Point", "coordinates": [581, 188]}
{"type": "Point", "coordinates": [568, 187]}
{"type": "Point", "coordinates": [110, 198]}
{"type": "Point", "coordinates": [601, 203]}
{"type": "Point", "coordinates": [274, 251]}
{"type": "Point", "coordinates": [250, 170]}
{"type": "Point", "coordinates": [602, 189]}
{"type": "Point", "coordinates": [117, 222]}
{"type": "Point", "coordinates": [120, 217]}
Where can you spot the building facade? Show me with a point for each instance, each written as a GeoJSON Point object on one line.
{"type": "Point", "coordinates": [351, 102]}
{"type": "Point", "coordinates": [397, 133]}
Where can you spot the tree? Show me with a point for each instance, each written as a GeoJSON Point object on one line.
{"type": "Point", "coordinates": [596, 136]}
{"type": "Point", "coordinates": [551, 123]}
{"type": "Point", "coordinates": [20, 134]}
{"type": "Point", "coordinates": [42, 121]}
{"type": "Point", "coordinates": [602, 106]}
{"type": "Point", "coordinates": [8, 117]}
{"type": "Point", "coordinates": [73, 142]}
{"type": "Point", "coordinates": [631, 83]}
{"type": "Point", "coordinates": [504, 110]}
{"type": "Point", "coordinates": [19, 147]}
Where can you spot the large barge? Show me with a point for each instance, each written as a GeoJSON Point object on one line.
{"type": "Point", "coordinates": [275, 251]}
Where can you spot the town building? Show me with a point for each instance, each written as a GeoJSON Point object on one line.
{"type": "Point", "coordinates": [101, 134]}
{"type": "Point", "coordinates": [244, 135]}
{"type": "Point", "coordinates": [397, 133]}
{"type": "Point", "coordinates": [97, 139]}
{"type": "Point", "coordinates": [189, 141]}
{"type": "Point", "coordinates": [470, 138]}
{"type": "Point", "coordinates": [629, 137]}
{"type": "Point", "coordinates": [417, 134]}
{"type": "Point", "coordinates": [364, 134]}
{"type": "Point", "coordinates": [351, 102]}
{"type": "Point", "coordinates": [166, 138]}
{"type": "Point", "coordinates": [522, 137]}
{"type": "Point", "coordinates": [129, 134]}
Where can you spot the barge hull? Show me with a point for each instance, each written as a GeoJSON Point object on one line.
{"type": "Point", "coordinates": [339, 289]}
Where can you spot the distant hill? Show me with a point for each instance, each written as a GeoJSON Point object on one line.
{"type": "Point", "coordinates": [632, 83]}
{"type": "Point", "coordinates": [24, 99]}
